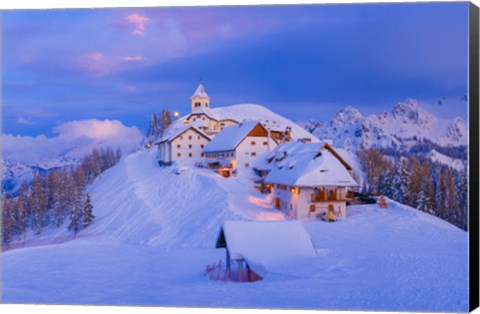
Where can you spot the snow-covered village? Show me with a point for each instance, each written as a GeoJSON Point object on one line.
{"type": "Point", "coordinates": [212, 201]}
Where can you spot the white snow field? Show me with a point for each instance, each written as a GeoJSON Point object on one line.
{"type": "Point", "coordinates": [155, 231]}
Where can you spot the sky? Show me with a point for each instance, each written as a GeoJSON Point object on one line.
{"type": "Point", "coordinates": [301, 61]}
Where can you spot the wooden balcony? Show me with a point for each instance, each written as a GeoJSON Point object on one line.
{"type": "Point", "coordinates": [329, 196]}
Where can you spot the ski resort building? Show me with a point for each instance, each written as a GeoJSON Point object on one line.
{"type": "Point", "coordinates": [210, 122]}
{"type": "Point", "coordinates": [183, 143]}
{"type": "Point", "coordinates": [307, 180]}
{"type": "Point", "coordinates": [262, 247]}
{"type": "Point", "coordinates": [237, 147]}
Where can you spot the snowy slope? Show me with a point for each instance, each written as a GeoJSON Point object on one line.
{"type": "Point", "coordinates": [407, 124]}
{"type": "Point", "coordinates": [155, 232]}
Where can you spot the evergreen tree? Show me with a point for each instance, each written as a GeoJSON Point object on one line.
{"type": "Point", "coordinates": [8, 221]}
{"type": "Point", "coordinates": [118, 154]}
{"type": "Point", "coordinates": [38, 202]}
{"type": "Point", "coordinates": [152, 130]}
{"type": "Point", "coordinates": [164, 121]}
{"type": "Point", "coordinates": [87, 212]}
{"type": "Point", "coordinates": [76, 220]}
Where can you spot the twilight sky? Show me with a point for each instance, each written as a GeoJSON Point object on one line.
{"type": "Point", "coordinates": [299, 61]}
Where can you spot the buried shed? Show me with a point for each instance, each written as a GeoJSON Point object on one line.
{"type": "Point", "coordinates": [265, 246]}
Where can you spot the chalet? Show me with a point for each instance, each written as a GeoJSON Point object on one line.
{"type": "Point", "coordinates": [184, 143]}
{"type": "Point", "coordinates": [307, 180]}
{"type": "Point", "coordinates": [237, 147]}
{"type": "Point", "coordinates": [254, 247]}
{"type": "Point", "coordinates": [211, 122]}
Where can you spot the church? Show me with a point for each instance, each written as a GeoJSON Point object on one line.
{"type": "Point", "coordinates": [221, 139]}
{"type": "Point", "coordinates": [201, 115]}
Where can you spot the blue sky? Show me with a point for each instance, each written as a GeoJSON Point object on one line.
{"type": "Point", "coordinates": [300, 61]}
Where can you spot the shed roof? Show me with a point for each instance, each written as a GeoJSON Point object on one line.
{"type": "Point", "coordinates": [266, 245]}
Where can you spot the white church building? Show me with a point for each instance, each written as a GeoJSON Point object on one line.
{"type": "Point", "coordinates": [208, 121]}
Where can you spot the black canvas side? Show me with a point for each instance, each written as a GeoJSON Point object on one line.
{"type": "Point", "coordinates": [474, 156]}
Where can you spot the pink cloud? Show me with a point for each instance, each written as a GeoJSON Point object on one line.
{"type": "Point", "coordinates": [133, 59]}
{"type": "Point", "coordinates": [99, 64]}
{"type": "Point", "coordinates": [96, 63]}
{"type": "Point", "coordinates": [139, 21]}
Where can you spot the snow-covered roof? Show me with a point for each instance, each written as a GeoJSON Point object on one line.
{"type": "Point", "coordinates": [266, 245]}
{"type": "Point", "coordinates": [230, 137]}
{"type": "Point", "coordinates": [200, 92]}
{"type": "Point", "coordinates": [176, 130]}
{"type": "Point", "coordinates": [246, 112]}
{"type": "Point", "coordinates": [306, 164]}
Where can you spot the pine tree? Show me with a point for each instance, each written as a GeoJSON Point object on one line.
{"type": "Point", "coordinates": [76, 220]}
{"type": "Point", "coordinates": [164, 121]}
{"type": "Point", "coordinates": [38, 202]}
{"type": "Point", "coordinates": [118, 154]}
{"type": "Point", "coordinates": [415, 183]}
{"type": "Point", "coordinates": [152, 127]}
{"type": "Point", "coordinates": [88, 212]}
{"type": "Point", "coordinates": [8, 222]}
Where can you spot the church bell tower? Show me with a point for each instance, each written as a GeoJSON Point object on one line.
{"type": "Point", "coordinates": [200, 99]}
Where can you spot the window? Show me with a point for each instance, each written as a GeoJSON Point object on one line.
{"type": "Point", "coordinates": [194, 119]}
{"type": "Point", "coordinates": [247, 165]}
{"type": "Point", "coordinates": [181, 137]}
{"type": "Point", "coordinates": [253, 143]}
{"type": "Point", "coordinates": [203, 154]}
{"type": "Point", "coordinates": [198, 137]}
{"type": "Point", "coordinates": [189, 137]}
{"type": "Point", "coordinates": [254, 154]}
{"type": "Point", "coordinates": [189, 154]}
{"type": "Point", "coordinates": [179, 155]}
{"type": "Point", "coordinates": [201, 146]}
{"type": "Point", "coordinates": [190, 146]}
{"type": "Point", "coordinates": [265, 143]}
{"type": "Point", "coordinates": [178, 146]}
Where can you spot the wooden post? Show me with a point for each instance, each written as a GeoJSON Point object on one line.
{"type": "Point", "coordinates": [229, 275]}
{"type": "Point", "coordinates": [239, 270]}
{"type": "Point", "coordinates": [249, 273]}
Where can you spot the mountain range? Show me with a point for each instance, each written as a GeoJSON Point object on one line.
{"type": "Point", "coordinates": [407, 128]}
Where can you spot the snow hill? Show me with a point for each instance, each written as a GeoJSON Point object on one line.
{"type": "Point", "coordinates": [155, 231]}
{"type": "Point", "coordinates": [406, 125]}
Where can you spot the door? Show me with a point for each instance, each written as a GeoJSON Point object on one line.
{"type": "Point", "coordinates": [277, 203]}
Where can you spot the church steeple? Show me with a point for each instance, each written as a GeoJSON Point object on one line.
{"type": "Point", "coordinates": [200, 98]}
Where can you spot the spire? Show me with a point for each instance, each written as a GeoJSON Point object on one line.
{"type": "Point", "coordinates": [200, 91]}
